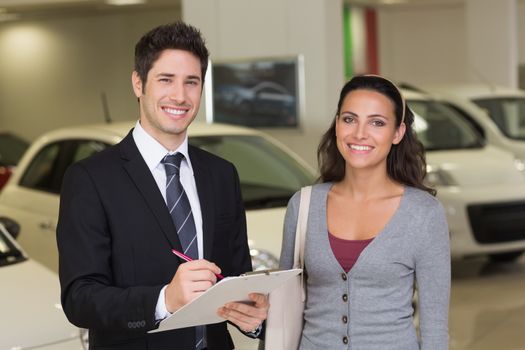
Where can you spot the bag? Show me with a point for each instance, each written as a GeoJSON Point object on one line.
{"type": "Point", "coordinates": [284, 324]}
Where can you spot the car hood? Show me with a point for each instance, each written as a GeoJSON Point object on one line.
{"type": "Point", "coordinates": [265, 229]}
{"type": "Point", "coordinates": [488, 166]}
{"type": "Point", "coordinates": [31, 315]}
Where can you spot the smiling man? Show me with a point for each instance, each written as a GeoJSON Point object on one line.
{"type": "Point", "coordinates": [123, 210]}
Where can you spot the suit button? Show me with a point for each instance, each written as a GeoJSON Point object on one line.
{"type": "Point", "coordinates": [343, 276]}
{"type": "Point", "coordinates": [345, 319]}
{"type": "Point", "coordinates": [345, 297]}
{"type": "Point", "coordinates": [142, 323]}
{"type": "Point", "coordinates": [345, 340]}
{"type": "Point", "coordinates": [130, 325]}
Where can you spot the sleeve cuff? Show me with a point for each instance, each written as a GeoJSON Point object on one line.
{"type": "Point", "coordinates": [160, 310]}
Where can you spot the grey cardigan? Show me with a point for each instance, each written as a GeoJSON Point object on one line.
{"type": "Point", "coordinates": [371, 307]}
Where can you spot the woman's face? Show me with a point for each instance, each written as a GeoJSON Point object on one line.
{"type": "Point", "coordinates": [365, 129]}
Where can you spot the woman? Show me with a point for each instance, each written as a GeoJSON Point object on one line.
{"type": "Point", "coordinates": [374, 228]}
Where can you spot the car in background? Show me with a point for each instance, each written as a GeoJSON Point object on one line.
{"type": "Point", "coordinates": [31, 316]}
{"type": "Point", "coordinates": [12, 147]}
{"type": "Point", "coordinates": [481, 187]}
{"type": "Point", "coordinates": [269, 175]}
{"type": "Point", "coordinates": [265, 98]}
{"type": "Point", "coordinates": [497, 112]}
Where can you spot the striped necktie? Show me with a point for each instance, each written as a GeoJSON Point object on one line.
{"type": "Point", "coordinates": [182, 216]}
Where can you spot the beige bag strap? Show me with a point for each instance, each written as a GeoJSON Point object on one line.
{"type": "Point", "coordinates": [300, 232]}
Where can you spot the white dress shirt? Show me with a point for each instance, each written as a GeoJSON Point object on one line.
{"type": "Point", "coordinates": [153, 153]}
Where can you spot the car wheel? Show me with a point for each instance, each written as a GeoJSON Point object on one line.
{"type": "Point", "coordinates": [505, 257]}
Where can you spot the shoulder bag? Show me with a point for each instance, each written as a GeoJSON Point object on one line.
{"type": "Point", "coordinates": [284, 324]}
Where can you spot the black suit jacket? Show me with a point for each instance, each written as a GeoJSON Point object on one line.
{"type": "Point", "coordinates": [115, 236]}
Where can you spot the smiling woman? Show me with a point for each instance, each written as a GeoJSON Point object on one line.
{"type": "Point", "coordinates": [372, 222]}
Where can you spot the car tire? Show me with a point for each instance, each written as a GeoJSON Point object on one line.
{"type": "Point", "coordinates": [505, 257]}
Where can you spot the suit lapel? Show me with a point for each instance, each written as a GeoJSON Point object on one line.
{"type": "Point", "coordinates": [140, 174]}
{"type": "Point", "coordinates": [205, 191]}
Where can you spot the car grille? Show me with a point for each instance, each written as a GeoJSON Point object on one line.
{"type": "Point", "coordinates": [497, 223]}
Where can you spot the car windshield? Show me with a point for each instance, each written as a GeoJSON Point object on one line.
{"type": "Point", "coordinates": [268, 175]}
{"type": "Point", "coordinates": [9, 252]}
{"type": "Point", "coordinates": [507, 113]}
{"type": "Point", "coordinates": [11, 149]}
{"type": "Point", "coordinates": [439, 127]}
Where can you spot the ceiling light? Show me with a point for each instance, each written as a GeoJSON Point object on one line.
{"type": "Point", "coordinates": [125, 2]}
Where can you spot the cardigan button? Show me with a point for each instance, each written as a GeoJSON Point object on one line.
{"type": "Point", "coordinates": [345, 297]}
{"type": "Point", "coordinates": [345, 319]}
{"type": "Point", "coordinates": [345, 340]}
{"type": "Point", "coordinates": [343, 276]}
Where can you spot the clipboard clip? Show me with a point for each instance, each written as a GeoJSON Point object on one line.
{"type": "Point", "coordinates": [260, 272]}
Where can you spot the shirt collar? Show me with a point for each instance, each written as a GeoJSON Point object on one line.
{"type": "Point", "coordinates": [153, 152]}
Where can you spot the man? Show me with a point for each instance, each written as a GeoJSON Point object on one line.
{"type": "Point", "coordinates": [123, 210]}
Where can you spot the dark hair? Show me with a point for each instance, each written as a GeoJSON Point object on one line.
{"type": "Point", "coordinates": [177, 36]}
{"type": "Point", "coordinates": [406, 162]}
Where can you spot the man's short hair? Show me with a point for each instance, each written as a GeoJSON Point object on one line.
{"type": "Point", "coordinates": [177, 36]}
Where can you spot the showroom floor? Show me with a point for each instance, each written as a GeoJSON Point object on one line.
{"type": "Point", "coordinates": [487, 309]}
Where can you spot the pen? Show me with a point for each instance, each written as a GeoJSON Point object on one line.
{"type": "Point", "coordinates": [187, 258]}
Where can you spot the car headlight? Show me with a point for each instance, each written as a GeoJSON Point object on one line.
{"type": "Point", "coordinates": [84, 338]}
{"type": "Point", "coordinates": [519, 164]}
{"type": "Point", "coordinates": [437, 177]}
{"type": "Point", "coordinates": [263, 260]}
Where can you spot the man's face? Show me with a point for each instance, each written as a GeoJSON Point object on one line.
{"type": "Point", "coordinates": [170, 98]}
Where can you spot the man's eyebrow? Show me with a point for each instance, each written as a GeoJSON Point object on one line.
{"type": "Point", "coordinates": [194, 77]}
{"type": "Point", "coordinates": [171, 75]}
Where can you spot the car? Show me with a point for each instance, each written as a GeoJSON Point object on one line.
{"type": "Point", "coordinates": [31, 316]}
{"type": "Point", "coordinates": [480, 185]}
{"type": "Point", "coordinates": [269, 174]}
{"type": "Point", "coordinates": [12, 147]}
{"type": "Point", "coordinates": [497, 112]}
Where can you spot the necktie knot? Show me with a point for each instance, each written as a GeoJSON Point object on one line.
{"type": "Point", "coordinates": [172, 163]}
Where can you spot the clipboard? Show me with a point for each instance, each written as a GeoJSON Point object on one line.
{"type": "Point", "coordinates": [203, 309]}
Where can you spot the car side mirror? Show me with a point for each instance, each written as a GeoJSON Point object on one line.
{"type": "Point", "coordinates": [11, 226]}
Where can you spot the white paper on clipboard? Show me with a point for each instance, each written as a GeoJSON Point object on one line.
{"type": "Point", "coordinates": [203, 310]}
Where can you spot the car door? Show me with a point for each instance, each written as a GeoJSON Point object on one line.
{"type": "Point", "coordinates": [35, 201]}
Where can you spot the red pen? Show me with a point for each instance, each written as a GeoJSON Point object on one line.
{"type": "Point", "coordinates": [187, 258]}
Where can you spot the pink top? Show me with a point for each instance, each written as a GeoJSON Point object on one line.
{"type": "Point", "coordinates": [347, 251]}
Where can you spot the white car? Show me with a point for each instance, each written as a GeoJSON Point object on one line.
{"type": "Point", "coordinates": [269, 174]}
{"type": "Point", "coordinates": [31, 316]}
{"type": "Point", "coordinates": [497, 112]}
{"type": "Point", "coordinates": [480, 185]}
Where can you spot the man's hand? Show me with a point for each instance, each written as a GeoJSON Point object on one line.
{"type": "Point", "coordinates": [247, 317]}
{"type": "Point", "coordinates": [191, 280]}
